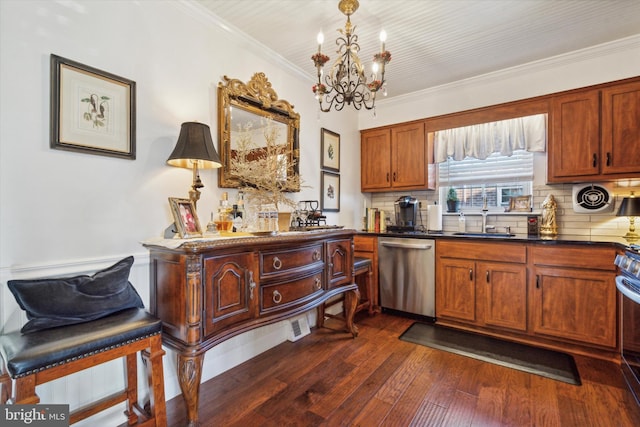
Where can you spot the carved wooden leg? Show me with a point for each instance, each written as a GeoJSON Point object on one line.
{"type": "Point", "coordinates": [351, 299]}
{"type": "Point", "coordinates": [189, 376]}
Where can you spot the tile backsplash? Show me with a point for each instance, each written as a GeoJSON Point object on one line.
{"type": "Point", "coordinates": [569, 222]}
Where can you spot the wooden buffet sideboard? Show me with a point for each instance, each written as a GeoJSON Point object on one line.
{"type": "Point", "coordinates": [207, 291]}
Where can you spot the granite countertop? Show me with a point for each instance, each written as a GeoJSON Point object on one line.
{"type": "Point", "coordinates": [560, 239]}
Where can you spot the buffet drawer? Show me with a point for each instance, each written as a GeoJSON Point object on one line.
{"type": "Point", "coordinates": [295, 259]}
{"type": "Point", "coordinates": [279, 296]}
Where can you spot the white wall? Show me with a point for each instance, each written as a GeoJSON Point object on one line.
{"type": "Point", "coordinates": [72, 213]}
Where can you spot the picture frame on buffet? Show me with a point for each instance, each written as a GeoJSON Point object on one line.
{"type": "Point", "coordinates": [185, 217]}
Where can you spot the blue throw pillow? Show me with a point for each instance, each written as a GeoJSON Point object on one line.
{"type": "Point", "coordinates": [50, 303]}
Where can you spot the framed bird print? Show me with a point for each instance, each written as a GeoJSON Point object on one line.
{"type": "Point", "coordinates": [92, 111]}
{"type": "Point", "coordinates": [330, 142]}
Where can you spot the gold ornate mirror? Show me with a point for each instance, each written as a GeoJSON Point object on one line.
{"type": "Point", "coordinates": [254, 106]}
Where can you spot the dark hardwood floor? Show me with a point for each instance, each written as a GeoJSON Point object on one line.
{"type": "Point", "coordinates": [330, 379]}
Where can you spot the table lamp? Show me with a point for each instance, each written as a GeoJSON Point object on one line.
{"type": "Point", "coordinates": [630, 207]}
{"type": "Point", "coordinates": [195, 149]}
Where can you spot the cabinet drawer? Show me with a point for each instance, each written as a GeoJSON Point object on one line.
{"type": "Point", "coordinates": [503, 252]}
{"type": "Point", "coordinates": [287, 260]}
{"type": "Point", "coordinates": [279, 296]}
{"type": "Point", "coordinates": [587, 257]}
{"type": "Point", "coordinates": [365, 243]}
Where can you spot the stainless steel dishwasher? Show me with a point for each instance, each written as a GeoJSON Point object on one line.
{"type": "Point", "coordinates": [407, 275]}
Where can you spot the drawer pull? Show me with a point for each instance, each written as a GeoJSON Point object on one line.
{"type": "Point", "coordinates": [316, 255]}
{"type": "Point", "coordinates": [277, 297]}
{"type": "Point", "coordinates": [488, 277]}
{"type": "Point", "coordinates": [471, 274]}
{"type": "Point", "coordinates": [252, 285]}
{"type": "Point", "coordinates": [595, 160]}
{"type": "Point", "coordinates": [277, 263]}
{"type": "Point", "coordinates": [318, 283]}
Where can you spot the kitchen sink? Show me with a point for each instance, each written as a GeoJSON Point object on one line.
{"type": "Point", "coordinates": [494, 235]}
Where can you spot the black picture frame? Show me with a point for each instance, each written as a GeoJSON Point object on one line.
{"type": "Point", "coordinates": [330, 196]}
{"type": "Point", "coordinates": [330, 150]}
{"type": "Point", "coordinates": [92, 111]}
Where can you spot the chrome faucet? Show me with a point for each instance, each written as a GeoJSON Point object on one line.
{"type": "Point", "coordinates": [485, 210]}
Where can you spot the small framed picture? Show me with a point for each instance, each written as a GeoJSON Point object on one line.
{"type": "Point", "coordinates": [185, 217]}
{"type": "Point", "coordinates": [520, 204]}
{"type": "Point", "coordinates": [330, 192]}
{"type": "Point", "coordinates": [92, 111]}
{"type": "Point", "coordinates": [330, 143]}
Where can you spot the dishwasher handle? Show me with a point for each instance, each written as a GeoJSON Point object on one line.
{"type": "Point", "coordinates": [406, 245]}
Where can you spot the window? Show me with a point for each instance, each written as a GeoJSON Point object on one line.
{"type": "Point", "coordinates": [496, 179]}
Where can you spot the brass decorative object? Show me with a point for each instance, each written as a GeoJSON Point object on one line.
{"type": "Point", "coordinates": [549, 227]}
{"type": "Point", "coordinates": [254, 102]}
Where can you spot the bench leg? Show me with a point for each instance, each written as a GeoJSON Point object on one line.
{"type": "Point", "coordinates": [132, 388]}
{"type": "Point", "coordinates": [156, 406]}
{"type": "Point", "coordinates": [5, 383]}
{"type": "Point", "coordinates": [26, 391]}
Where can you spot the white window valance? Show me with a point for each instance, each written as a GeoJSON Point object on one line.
{"type": "Point", "coordinates": [479, 141]}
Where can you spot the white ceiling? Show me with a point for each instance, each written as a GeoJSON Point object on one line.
{"type": "Point", "coordinates": [434, 42]}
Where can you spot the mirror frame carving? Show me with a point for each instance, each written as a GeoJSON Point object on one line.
{"type": "Point", "coordinates": [256, 96]}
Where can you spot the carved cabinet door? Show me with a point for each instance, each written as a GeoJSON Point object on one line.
{"type": "Point", "coordinates": [231, 293]}
{"type": "Point", "coordinates": [340, 257]}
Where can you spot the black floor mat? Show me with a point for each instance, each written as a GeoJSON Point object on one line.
{"type": "Point", "coordinates": [547, 363]}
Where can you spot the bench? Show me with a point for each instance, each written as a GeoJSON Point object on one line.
{"type": "Point", "coordinates": [35, 358]}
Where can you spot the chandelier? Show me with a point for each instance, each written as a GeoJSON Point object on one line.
{"type": "Point", "coordinates": [346, 83]}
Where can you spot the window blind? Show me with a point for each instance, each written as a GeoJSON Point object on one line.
{"type": "Point", "coordinates": [495, 169]}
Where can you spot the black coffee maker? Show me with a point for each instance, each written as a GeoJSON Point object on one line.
{"type": "Point", "coordinates": [406, 208]}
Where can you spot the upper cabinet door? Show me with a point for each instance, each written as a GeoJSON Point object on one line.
{"type": "Point", "coordinates": [409, 156]}
{"type": "Point", "coordinates": [375, 154]}
{"type": "Point", "coordinates": [574, 150]}
{"type": "Point", "coordinates": [621, 129]}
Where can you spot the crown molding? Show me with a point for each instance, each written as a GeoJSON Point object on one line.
{"type": "Point", "coordinates": [252, 45]}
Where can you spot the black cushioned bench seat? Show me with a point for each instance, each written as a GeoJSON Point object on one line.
{"type": "Point", "coordinates": [25, 354]}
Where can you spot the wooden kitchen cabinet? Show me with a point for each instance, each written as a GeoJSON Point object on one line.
{"type": "Point", "coordinates": [482, 284]}
{"type": "Point", "coordinates": [396, 158]}
{"type": "Point", "coordinates": [594, 134]}
{"type": "Point", "coordinates": [574, 295]}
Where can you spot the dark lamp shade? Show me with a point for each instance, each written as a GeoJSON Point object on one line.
{"type": "Point", "coordinates": [630, 206]}
{"type": "Point", "coordinates": [195, 146]}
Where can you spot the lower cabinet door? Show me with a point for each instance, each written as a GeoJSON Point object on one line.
{"type": "Point", "coordinates": [456, 290]}
{"type": "Point", "coordinates": [575, 304]}
{"type": "Point", "coordinates": [503, 288]}
{"type": "Point", "coordinates": [230, 292]}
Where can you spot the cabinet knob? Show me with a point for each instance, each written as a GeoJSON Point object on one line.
{"type": "Point", "coordinates": [316, 256]}
{"type": "Point", "coordinates": [277, 263]}
{"type": "Point", "coordinates": [318, 283]}
{"type": "Point", "coordinates": [277, 297]}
